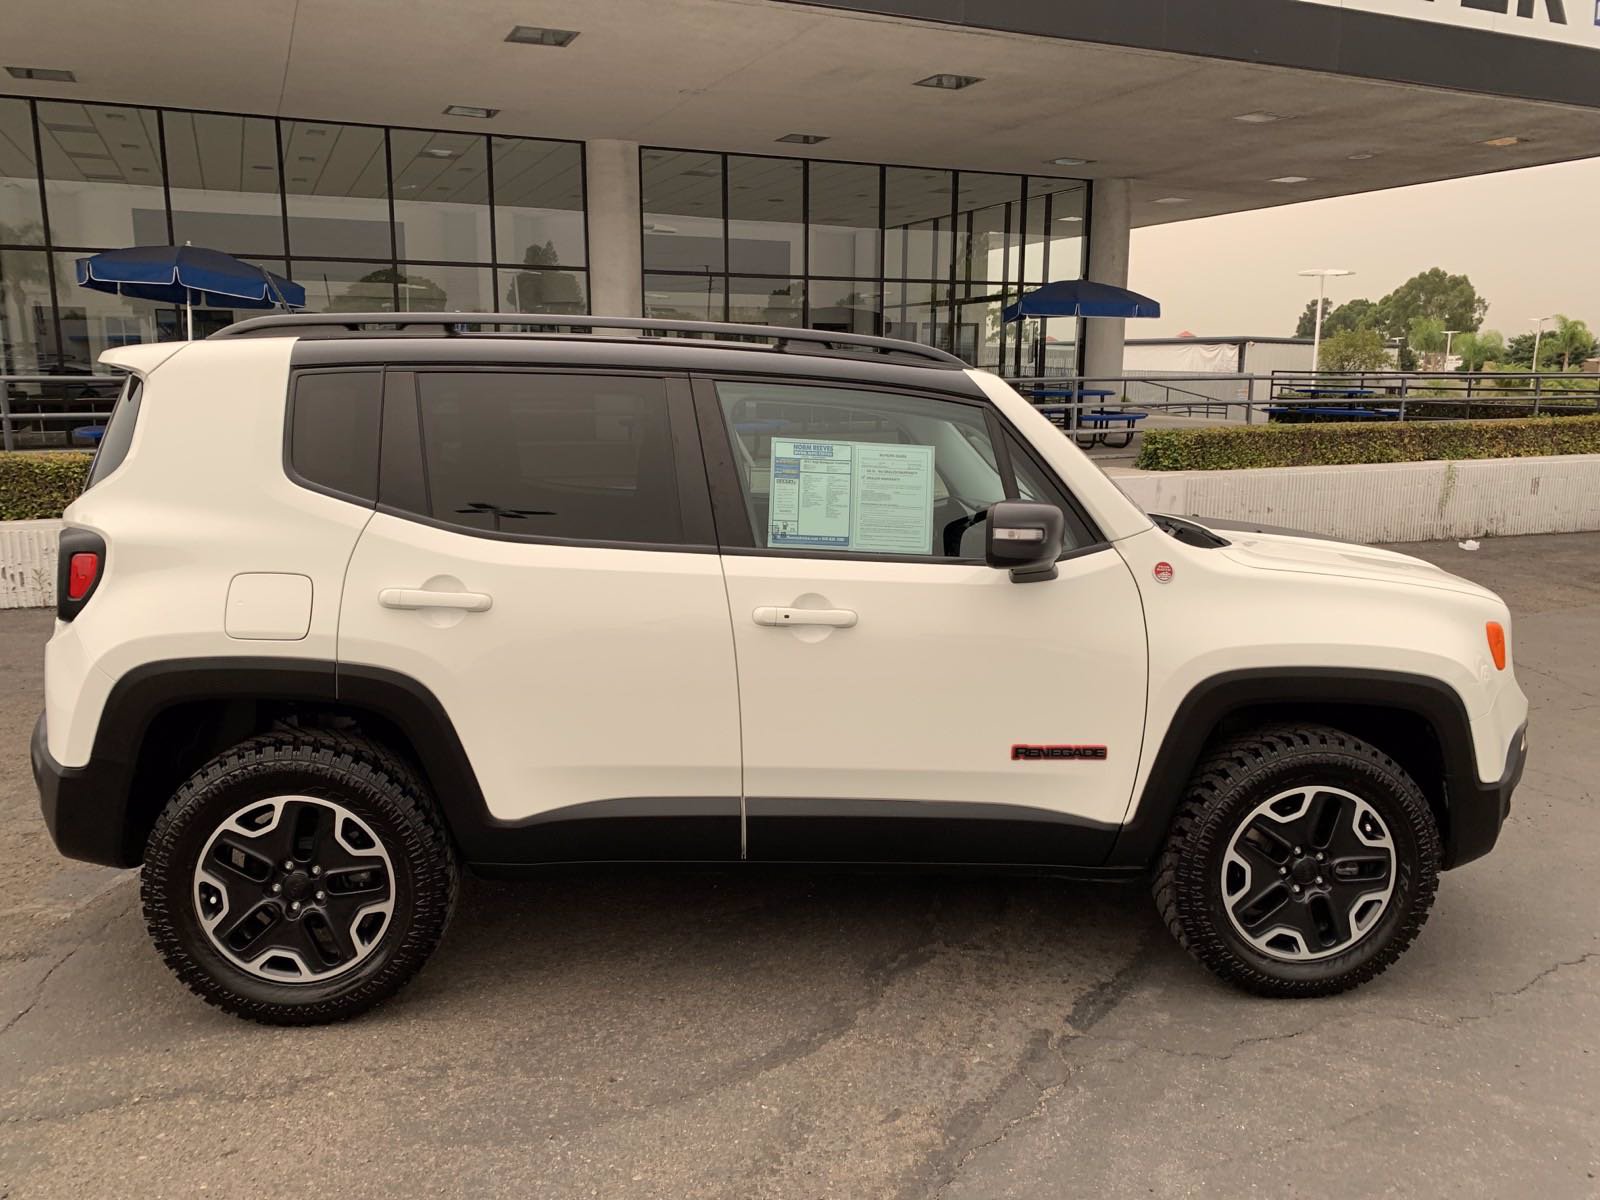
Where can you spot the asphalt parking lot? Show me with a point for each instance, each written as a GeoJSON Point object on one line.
{"type": "Point", "coordinates": [811, 1035]}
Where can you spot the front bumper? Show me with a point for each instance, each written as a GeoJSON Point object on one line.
{"type": "Point", "coordinates": [82, 806]}
{"type": "Point", "coordinates": [1479, 810]}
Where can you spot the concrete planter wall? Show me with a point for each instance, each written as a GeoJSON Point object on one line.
{"type": "Point", "coordinates": [28, 563]}
{"type": "Point", "coordinates": [1390, 502]}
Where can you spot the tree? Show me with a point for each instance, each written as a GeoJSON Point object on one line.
{"type": "Point", "coordinates": [1572, 339]}
{"type": "Point", "coordinates": [1354, 350]}
{"type": "Point", "coordinates": [544, 291]}
{"type": "Point", "coordinates": [1426, 335]}
{"type": "Point", "coordinates": [1481, 350]}
{"type": "Point", "coordinates": [1519, 352]}
{"type": "Point", "coordinates": [1448, 298]}
{"type": "Point", "coordinates": [1352, 314]}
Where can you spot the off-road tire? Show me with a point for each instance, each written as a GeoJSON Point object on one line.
{"type": "Point", "coordinates": [368, 780]}
{"type": "Point", "coordinates": [1228, 784]}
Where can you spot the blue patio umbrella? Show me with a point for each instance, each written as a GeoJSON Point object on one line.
{"type": "Point", "coordinates": [1082, 298]}
{"type": "Point", "coordinates": [188, 275]}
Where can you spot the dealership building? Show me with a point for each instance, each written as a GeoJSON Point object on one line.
{"type": "Point", "coordinates": [904, 167]}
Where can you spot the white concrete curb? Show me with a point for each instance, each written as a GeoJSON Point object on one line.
{"type": "Point", "coordinates": [28, 563]}
{"type": "Point", "coordinates": [1389, 502]}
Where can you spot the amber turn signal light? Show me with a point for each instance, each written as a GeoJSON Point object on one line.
{"type": "Point", "coordinates": [1497, 644]}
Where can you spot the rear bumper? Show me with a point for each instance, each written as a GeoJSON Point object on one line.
{"type": "Point", "coordinates": [82, 806]}
{"type": "Point", "coordinates": [1478, 812]}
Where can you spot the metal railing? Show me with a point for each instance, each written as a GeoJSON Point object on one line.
{"type": "Point", "coordinates": [1232, 398]}
{"type": "Point", "coordinates": [29, 406]}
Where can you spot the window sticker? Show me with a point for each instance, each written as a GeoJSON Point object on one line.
{"type": "Point", "coordinates": [863, 496]}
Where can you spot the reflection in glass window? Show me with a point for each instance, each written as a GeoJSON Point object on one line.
{"type": "Point", "coordinates": [681, 194]}
{"type": "Point", "coordinates": [352, 287]}
{"type": "Point", "coordinates": [685, 297]}
{"type": "Point", "coordinates": [979, 335]}
{"type": "Point", "coordinates": [223, 174]}
{"type": "Point", "coordinates": [20, 221]}
{"type": "Point", "coordinates": [844, 220]}
{"type": "Point", "coordinates": [766, 219]}
{"type": "Point", "coordinates": [766, 301]}
{"type": "Point", "coordinates": [1056, 210]}
{"type": "Point", "coordinates": [918, 312]}
{"type": "Point", "coordinates": [102, 168]}
{"type": "Point", "coordinates": [27, 337]}
{"type": "Point", "coordinates": [428, 287]}
{"type": "Point", "coordinates": [584, 457]}
{"type": "Point", "coordinates": [917, 241]}
{"type": "Point", "coordinates": [531, 291]}
{"type": "Point", "coordinates": [338, 190]}
{"type": "Point", "coordinates": [441, 195]}
{"type": "Point", "coordinates": [987, 207]}
{"type": "Point", "coordinates": [847, 305]}
{"type": "Point", "coordinates": [538, 199]}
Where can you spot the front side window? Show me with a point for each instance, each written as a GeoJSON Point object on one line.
{"type": "Point", "coordinates": [582, 457]}
{"type": "Point", "coordinates": [873, 473]}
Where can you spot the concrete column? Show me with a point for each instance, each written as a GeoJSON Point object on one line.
{"type": "Point", "coordinates": [616, 280]}
{"type": "Point", "coordinates": [1110, 223]}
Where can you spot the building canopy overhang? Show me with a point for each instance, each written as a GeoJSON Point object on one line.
{"type": "Point", "coordinates": [1206, 108]}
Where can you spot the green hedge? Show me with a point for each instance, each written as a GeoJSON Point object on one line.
{"type": "Point", "coordinates": [1232, 447]}
{"type": "Point", "coordinates": [36, 485]}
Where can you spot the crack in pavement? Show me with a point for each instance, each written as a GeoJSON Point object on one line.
{"type": "Point", "coordinates": [38, 989]}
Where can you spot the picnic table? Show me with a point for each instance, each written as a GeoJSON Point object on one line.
{"type": "Point", "coordinates": [1328, 392]}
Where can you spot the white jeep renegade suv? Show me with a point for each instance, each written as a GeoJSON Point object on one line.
{"type": "Point", "coordinates": [353, 600]}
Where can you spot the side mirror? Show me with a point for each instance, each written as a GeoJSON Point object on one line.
{"type": "Point", "coordinates": [1025, 538]}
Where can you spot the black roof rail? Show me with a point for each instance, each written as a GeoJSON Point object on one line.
{"type": "Point", "coordinates": [449, 324]}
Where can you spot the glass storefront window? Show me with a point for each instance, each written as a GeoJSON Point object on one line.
{"type": "Point", "coordinates": [685, 297]}
{"type": "Point", "coordinates": [986, 224]}
{"type": "Point", "coordinates": [102, 169]}
{"type": "Point", "coordinates": [979, 336]}
{"type": "Point", "coordinates": [1056, 212]}
{"type": "Point", "coordinates": [767, 301]}
{"type": "Point", "coordinates": [681, 196]}
{"type": "Point", "coordinates": [223, 176]}
{"type": "Point", "coordinates": [20, 220]}
{"type": "Point", "coordinates": [428, 287]}
{"type": "Point", "coordinates": [543, 291]}
{"type": "Point", "coordinates": [845, 234]}
{"type": "Point", "coordinates": [847, 305]}
{"type": "Point", "coordinates": [766, 216]}
{"type": "Point", "coordinates": [441, 195]}
{"type": "Point", "coordinates": [337, 185]}
{"type": "Point", "coordinates": [918, 312]}
{"type": "Point", "coordinates": [918, 240]}
{"type": "Point", "coordinates": [538, 202]}
{"type": "Point", "coordinates": [27, 331]}
{"type": "Point", "coordinates": [94, 321]}
{"type": "Point", "coordinates": [352, 287]}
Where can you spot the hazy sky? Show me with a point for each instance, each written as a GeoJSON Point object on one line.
{"type": "Point", "coordinates": [1529, 240]}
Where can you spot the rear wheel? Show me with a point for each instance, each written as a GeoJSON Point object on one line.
{"type": "Point", "coordinates": [1302, 862]}
{"type": "Point", "coordinates": [300, 877]}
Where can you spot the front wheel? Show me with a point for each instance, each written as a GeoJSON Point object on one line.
{"type": "Point", "coordinates": [1302, 862]}
{"type": "Point", "coordinates": [299, 877]}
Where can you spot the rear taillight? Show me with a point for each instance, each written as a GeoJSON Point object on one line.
{"type": "Point", "coordinates": [81, 561]}
{"type": "Point", "coordinates": [82, 570]}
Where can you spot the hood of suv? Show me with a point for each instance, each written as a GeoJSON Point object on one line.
{"type": "Point", "coordinates": [1317, 556]}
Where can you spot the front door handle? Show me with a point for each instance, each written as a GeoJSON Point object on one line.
{"type": "Point", "coordinates": [839, 618]}
{"type": "Point", "coordinates": [422, 598]}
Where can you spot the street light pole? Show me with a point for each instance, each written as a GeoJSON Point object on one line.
{"type": "Point", "coordinates": [1537, 337]}
{"type": "Point", "coordinates": [1323, 274]}
{"type": "Point", "coordinates": [1449, 340]}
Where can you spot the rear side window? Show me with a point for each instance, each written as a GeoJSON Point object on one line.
{"type": "Point", "coordinates": [584, 457]}
{"type": "Point", "coordinates": [114, 442]}
{"type": "Point", "coordinates": [333, 431]}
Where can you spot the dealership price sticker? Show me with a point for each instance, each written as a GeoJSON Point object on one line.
{"type": "Point", "coordinates": [864, 496]}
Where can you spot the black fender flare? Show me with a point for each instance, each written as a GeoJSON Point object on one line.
{"type": "Point", "coordinates": [1473, 811]}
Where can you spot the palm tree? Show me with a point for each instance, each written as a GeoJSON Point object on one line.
{"type": "Point", "coordinates": [1478, 350]}
{"type": "Point", "coordinates": [1572, 339]}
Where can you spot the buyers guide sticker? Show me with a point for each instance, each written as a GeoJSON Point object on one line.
{"type": "Point", "coordinates": [863, 496]}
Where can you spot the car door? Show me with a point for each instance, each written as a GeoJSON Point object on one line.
{"type": "Point", "coordinates": [542, 563]}
{"type": "Point", "coordinates": [900, 700]}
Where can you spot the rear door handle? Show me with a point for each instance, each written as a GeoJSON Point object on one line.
{"type": "Point", "coordinates": [839, 618]}
{"type": "Point", "coordinates": [422, 598]}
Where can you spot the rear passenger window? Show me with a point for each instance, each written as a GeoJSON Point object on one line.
{"type": "Point", "coordinates": [118, 435]}
{"type": "Point", "coordinates": [333, 439]}
{"type": "Point", "coordinates": [564, 456]}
